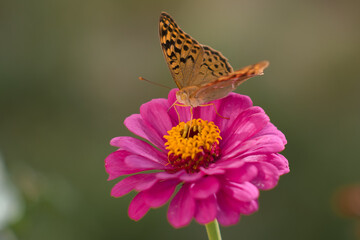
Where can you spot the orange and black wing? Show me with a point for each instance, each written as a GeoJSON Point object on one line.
{"type": "Point", "coordinates": [182, 53]}
{"type": "Point", "coordinates": [224, 85]}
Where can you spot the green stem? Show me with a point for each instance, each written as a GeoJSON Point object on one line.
{"type": "Point", "coordinates": [213, 230]}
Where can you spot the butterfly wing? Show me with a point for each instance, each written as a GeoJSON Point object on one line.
{"type": "Point", "coordinates": [190, 63]}
{"type": "Point", "coordinates": [214, 65]}
{"type": "Point", "coordinates": [222, 86]}
{"type": "Point", "coordinates": [200, 72]}
{"type": "Point", "coordinates": [183, 54]}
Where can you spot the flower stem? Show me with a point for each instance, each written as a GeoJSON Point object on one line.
{"type": "Point", "coordinates": [213, 230]}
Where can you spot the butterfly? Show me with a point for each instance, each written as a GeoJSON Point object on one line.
{"type": "Point", "coordinates": [201, 73]}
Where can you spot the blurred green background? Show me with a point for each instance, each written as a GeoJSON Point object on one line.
{"type": "Point", "coordinates": [68, 79]}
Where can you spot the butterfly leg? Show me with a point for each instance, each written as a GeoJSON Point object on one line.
{"type": "Point", "coordinates": [174, 105]}
{"type": "Point", "coordinates": [213, 104]}
{"type": "Point", "coordinates": [191, 118]}
{"type": "Point", "coordinates": [180, 105]}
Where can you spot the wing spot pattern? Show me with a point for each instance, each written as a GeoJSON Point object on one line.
{"type": "Point", "coordinates": [193, 64]}
{"type": "Point", "coordinates": [217, 57]}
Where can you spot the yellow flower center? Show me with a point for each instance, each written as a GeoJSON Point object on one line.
{"type": "Point", "coordinates": [193, 145]}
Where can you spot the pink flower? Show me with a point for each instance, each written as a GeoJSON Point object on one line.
{"type": "Point", "coordinates": [219, 165]}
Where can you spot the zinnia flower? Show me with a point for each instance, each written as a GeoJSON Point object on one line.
{"type": "Point", "coordinates": [212, 167]}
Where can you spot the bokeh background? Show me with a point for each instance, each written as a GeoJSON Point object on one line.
{"type": "Point", "coordinates": [69, 77]}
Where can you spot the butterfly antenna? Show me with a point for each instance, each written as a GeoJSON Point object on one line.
{"type": "Point", "coordinates": [155, 83]}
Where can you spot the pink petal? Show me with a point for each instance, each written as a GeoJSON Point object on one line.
{"type": "Point", "coordinates": [242, 160]}
{"type": "Point", "coordinates": [181, 175]}
{"type": "Point", "coordinates": [248, 123]}
{"type": "Point", "coordinates": [207, 112]}
{"type": "Point", "coordinates": [270, 129]}
{"type": "Point", "coordinates": [155, 114]}
{"type": "Point", "coordinates": [268, 176]}
{"type": "Point", "coordinates": [227, 214]}
{"type": "Point", "coordinates": [138, 126]}
{"type": "Point", "coordinates": [242, 191]}
{"type": "Point", "coordinates": [191, 177]}
{"type": "Point", "coordinates": [206, 210]}
{"type": "Point", "coordinates": [212, 170]}
{"type": "Point", "coordinates": [172, 96]}
{"type": "Point", "coordinates": [248, 208]}
{"type": "Point", "coordinates": [138, 208]}
{"type": "Point", "coordinates": [168, 175]}
{"type": "Point", "coordinates": [139, 147]}
{"type": "Point", "coordinates": [280, 162]}
{"type": "Point", "coordinates": [230, 107]}
{"type": "Point", "coordinates": [160, 193]}
{"type": "Point", "coordinates": [138, 182]}
{"type": "Point", "coordinates": [205, 187]}
{"type": "Point", "coordinates": [237, 162]}
{"type": "Point", "coordinates": [242, 174]}
{"type": "Point", "coordinates": [115, 165]}
{"type": "Point", "coordinates": [229, 163]}
{"type": "Point", "coordinates": [232, 123]}
{"type": "Point", "coordinates": [134, 161]}
{"type": "Point", "coordinates": [234, 206]}
{"type": "Point", "coordinates": [259, 145]}
{"type": "Point", "coordinates": [182, 208]}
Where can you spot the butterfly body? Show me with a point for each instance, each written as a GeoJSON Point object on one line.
{"type": "Point", "coordinates": [201, 73]}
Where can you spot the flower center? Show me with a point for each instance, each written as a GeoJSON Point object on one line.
{"type": "Point", "coordinates": [193, 145]}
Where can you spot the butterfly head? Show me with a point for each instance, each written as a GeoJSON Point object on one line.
{"type": "Point", "coordinates": [184, 96]}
